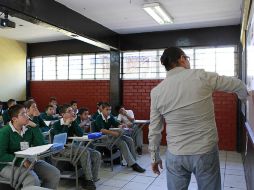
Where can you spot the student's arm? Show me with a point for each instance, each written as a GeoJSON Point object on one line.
{"type": "Point", "coordinates": [38, 138]}
{"type": "Point", "coordinates": [155, 129]}
{"type": "Point", "coordinates": [100, 127]}
{"type": "Point", "coordinates": [77, 130]}
{"type": "Point", "coordinates": [114, 122]}
{"type": "Point", "coordinates": [4, 155]}
{"type": "Point", "coordinates": [225, 84]}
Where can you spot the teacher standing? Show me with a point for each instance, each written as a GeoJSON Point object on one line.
{"type": "Point", "coordinates": [184, 100]}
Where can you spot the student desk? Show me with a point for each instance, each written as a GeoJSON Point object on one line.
{"type": "Point", "coordinates": [32, 155]}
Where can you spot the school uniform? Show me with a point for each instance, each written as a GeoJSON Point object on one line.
{"type": "Point", "coordinates": [47, 117]}
{"type": "Point", "coordinates": [40, 123]}
{"type": "Point", "coordinates": [11, 141]}
{"type": "Point", "coordinates": [136, 133]}
{"type": "Point", "coordinates": [125, 143]}
{"type": "Point", "coordinates": [85, 125]}
{"type": "Point", "coordinates": [90, 160]}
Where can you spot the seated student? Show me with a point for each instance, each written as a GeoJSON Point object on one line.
{"type": "Point", "coordinates": [83, 120]}
{"type": "Point", "coordinates": [74, 105]}
{"type": "Point", "coordinates": [126, 117]}
{"type": "Point", "coordinates": [34, 115]}
{"type": "Point", "coordinates": [53, 102]}
{"type": "Point", "coordinates": [10, 103]}
{"type": "Point", "coordinates": [98, 112]}
{"type": "Point", "coordinates": [48, 115]}
{"type": "Point", "coordinates": [13, 137]}
{"type": "Point", "coordinates": [90, 160]}
{"type": "Point", "coordinates": [103, 123]}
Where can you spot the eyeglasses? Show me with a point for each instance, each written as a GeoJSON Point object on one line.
{"type": "Point", "coordinates": [23, 114]}
{"type": "Point", "coordinates": [186, 57]}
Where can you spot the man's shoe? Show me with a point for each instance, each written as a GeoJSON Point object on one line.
{"type": "Point", "coordinates": [139, 151]}
{"type": "Point", "coordinates": [88, 184]}
{"type": "Point", "coordinates": [137, 168]}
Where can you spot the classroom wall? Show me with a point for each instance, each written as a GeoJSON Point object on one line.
{"type": "Point", "coordinates": [136, 96]}
{"type": "Point", "coordinates": [12, 69]}
{"type": "Point", "coordinates": [87, 93]}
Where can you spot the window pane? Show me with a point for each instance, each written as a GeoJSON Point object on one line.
{"type": "Point", "coordinates": [102, 66]}
{"type": "Point", "coordinates": [225, 61]}
{"type": "Point", "coordinates": [49, 68]}
{"type": "Point", "coordinates": [36, 68]}
{"type": "Point", "coordinates": [205, 59]}
{"type": "Point", "coordinates": [62, 67]}
{"type": "Point", "coordinates": [148, 64]}
{"type": "Point", "coordinates": [75, 64]}
{"type": "Point", "coordinates": [131, 65]}
{"type": "Point", "coordinates": [88, 66]}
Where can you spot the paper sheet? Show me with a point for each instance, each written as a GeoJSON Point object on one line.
{"type": "Point", "coordinates": [34, 150]}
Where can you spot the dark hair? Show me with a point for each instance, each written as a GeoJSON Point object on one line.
{"type": "Point", "coordinates": [99, 103]}
{"type": "Point", "coordinates": [14, 110]}
{"type": "Point", "coordinates": [1, 103]}
{"type": "Point", "coordinates": [48, 106]}
{"type": "Point", "coordinates": [170, 56]}
{"type": "Point", "coordinates": [63, 108]}
{"type": "Point", "coordinates": [52, 98]}
{"type": "Point", "coordinates": [82, 110]}
{"type": "Point", "coordinates": [105, 104]}
{"type": "Point", "coordinates": [29, 103]}
{"type": "Point", "coordinates": [73, 102]}
{"type": "Point", "coordinates": [30, 98]}
{"type": "Point", "coordinates": [10, 101]}
{"type": "Point", "coordinates": [117, 108]}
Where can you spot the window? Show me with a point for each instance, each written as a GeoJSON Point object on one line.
{"type": "Point", "coordinates": [71, 67]}
{"type": "Point", "coordinates": [146, 64]}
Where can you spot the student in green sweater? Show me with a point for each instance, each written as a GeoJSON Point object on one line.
{"type": "Point", "coordinates": [16, 136]}
{"type": "Point", "coordinates": [34, 115]}
{"type": "Point", "coordinates": [48, 115]}
{"type": "Point", "coordinates": [83, 120]}
{"type": "Point", "coordinates": [98, 112]}
{"type": "Point", "coordinates": [104, 122]}
{"type": "Point", "coordinates": [90, 160]}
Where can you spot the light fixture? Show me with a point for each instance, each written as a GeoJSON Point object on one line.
{"type": "Point", "coordinates": [156, 11]}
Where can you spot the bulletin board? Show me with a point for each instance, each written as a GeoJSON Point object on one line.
{"type": "Point", "coordinates": [250, 68]}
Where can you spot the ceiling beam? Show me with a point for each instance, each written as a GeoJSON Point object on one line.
{"type": "Point", "coordinates": [55, 16]}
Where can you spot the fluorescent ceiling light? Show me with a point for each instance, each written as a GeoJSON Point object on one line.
{"type": "Point", "coordinates": [158, 13]}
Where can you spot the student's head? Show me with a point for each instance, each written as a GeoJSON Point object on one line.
{"type": "Point", "coordinates": [11, 102]}
{"type": "Point", "coordinates": [119, 109]}
{"type": "Point", "coordinates": [67, 112]}
{"type": "Point", "coordinates": [83, 113]}
{"type": "Point", "coordinates": [106, 109]}
{"type": "Point", "coordinates": [50, 110]}
{"type": "Point", "coordinates": [18, 115]}
{"type": "Point", "coordinates": [30, 98]}
{"type": "Point", "coordinates": [74, 105]}
{"type": "Point", "coordinates": [31, 108]}
{"type": "Point", "coordinates": [99, 106]}
{"type": "Point", "coordinates": [174, 57]}
{"type": "Point", "coordinates": [52, 101]}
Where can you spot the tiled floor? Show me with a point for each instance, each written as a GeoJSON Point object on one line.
{"type": "Point", "coordinates": [232, 175]}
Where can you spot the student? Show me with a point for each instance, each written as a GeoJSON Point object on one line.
{"type": "Point", "coordinates": [74, 105]}
{"type": "Point", "coordinates": [126, 117]}
{"type": "Point", "coordinates": [98, 112]}
{"type": "Point", "coordinates": [90, 160]}
{"type": "Point", "coordinates": [83, 120]}
{"type": "Point", "coordinates": [126, 145]}
{"type": "Point", "coordinates": [10, 103]}
{"type": "Point", "coordinates": [48, 115]}
{"type": "Point", "coordinates": [13, 136]}
{"type": "Point", "coordinates": [53, 102]}
{"type": "Point", "coordinates": [34, 115]}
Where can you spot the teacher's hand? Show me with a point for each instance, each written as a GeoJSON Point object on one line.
{"type": "Point", "coordinates": [155, 167]}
